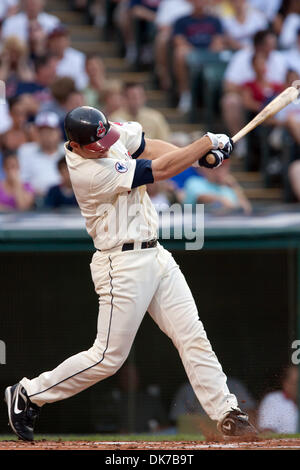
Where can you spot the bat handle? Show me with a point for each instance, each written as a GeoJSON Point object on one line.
{"type": "Point", "coordinates": [210, 159]}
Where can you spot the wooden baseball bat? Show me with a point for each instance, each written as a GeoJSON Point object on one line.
{"type": "Point", "coordinates": [277, 104]}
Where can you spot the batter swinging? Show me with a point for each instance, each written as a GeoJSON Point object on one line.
{"type": "Point", "coordinates": [109, 165]}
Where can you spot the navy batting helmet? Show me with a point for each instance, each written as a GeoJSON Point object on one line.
{"type": "Point", "coordinates": [89, 127]}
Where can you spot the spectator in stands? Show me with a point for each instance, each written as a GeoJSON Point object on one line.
{"type": "Point", "coordinates": [20, 131]}
{"type": "Point", "coordinates": [95, 11]}
{"type": "Point", "coordinates": [112, 97]}
{"type": "Point", "coordinates": [15, 64]}
{"type": "Point", "coordinates": [5, 119]}
{"type": "Point", "coordinates": [288, 23]}
{"type": "Point", "coordinates": [269, 8]}
{"type": "Point", "coordinates": [123, 23]}
{"type": "Point", "coordinates": [38, 90]}
{"type": "Point", "coordinates": [37, 40]}
{"type": "Point", "coordinates": [38, 160]}
{"type": "Point", "coordinates": [14, 194]}
{"type": "Point", "coordinates": [60, 90]}
{"type": "Point", "coordinates": [61, 195]}
{"type": "Point", "coordinates": [70, 62]}
{"type": "Point", "coordinates": [32, 13]}
{"type": "Point", "coordinates": [8, 8]}
{"type": "Point", "coordinates": [185, 402]}
{"type": "Point", "coordinates": [168, 12]}
{"type": "Point", "coordinates": [292, 56]}
{"type": "Point", "coordinates": [75, 99]}
{"type": "Point", "coordinates": [65, 97]}
{"type": "Point", "coordinates": [220, 8]}
{"type": "Point", "coordinates": [144, 10]}
{"type": "Point", "coordinates": [243, 24]}
{"type": "Point", "coordinates": [240, 71]}
{"type": "Point", "coordinates": [218, 189]}
{"type": "Point", "coordinates": [257, 93]}
{"type": "Point", "coordinates": [289, 117]}
{"type": "Point", "coordinates": [143, 13]}
{"type": "Point", "coordinates": [162, 194]}
{"type": "Point", "coordinates": [135, 109]}
{"type": "Point", "coordinates": [198, 38]}
{"type": "Point", "coordinates": [95, 70]}
{"type": "Point", "coordinates": [278, 410]}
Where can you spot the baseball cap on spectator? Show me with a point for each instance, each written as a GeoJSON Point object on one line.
{"type": "Point", "coordinates": [47, 119]}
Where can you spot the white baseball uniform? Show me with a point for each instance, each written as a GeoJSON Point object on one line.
{"type": "Point", "coordinates": [129, 283]}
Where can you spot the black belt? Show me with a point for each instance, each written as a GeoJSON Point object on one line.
{"type": "Point", "coordinates": [130, 246]}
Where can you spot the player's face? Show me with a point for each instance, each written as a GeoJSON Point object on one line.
{"type": "Point", "coordinates": [86, 153]}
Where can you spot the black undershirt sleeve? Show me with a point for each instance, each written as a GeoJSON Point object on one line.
{"type": "Point", "coordinates": [143, 173]}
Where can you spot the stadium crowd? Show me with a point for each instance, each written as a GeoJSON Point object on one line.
{"type": "Point", "coordinates": [251, 48]}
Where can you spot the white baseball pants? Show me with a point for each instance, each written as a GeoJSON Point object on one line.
{"type": "Point", "coordinates": [130, 283]}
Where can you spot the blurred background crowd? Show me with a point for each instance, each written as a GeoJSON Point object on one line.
{"type": "Point", "coordinates": [276, 411]}
{"type": "Point", "coordinates": [216, 63]}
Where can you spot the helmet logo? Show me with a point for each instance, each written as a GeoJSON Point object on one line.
{"type": "Point", "coordinates": [101, 130]}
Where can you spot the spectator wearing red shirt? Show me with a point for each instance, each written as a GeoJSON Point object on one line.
{"type": "Point", "coordinates": [258, 92]}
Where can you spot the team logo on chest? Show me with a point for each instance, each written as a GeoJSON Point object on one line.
{"type": "Point", "coordinates": [121, 167]}
{"type": "Point", "coordinates": [101, 130]}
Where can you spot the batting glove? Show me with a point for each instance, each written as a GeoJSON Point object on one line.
{"type": "Point", "coordinates": [220, 141]}
{"type": "Point", "coordinates": [219, 155]}
{"type": "Point", "coordinates": [225, 143]}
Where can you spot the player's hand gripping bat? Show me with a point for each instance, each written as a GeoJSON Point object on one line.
{"type": "Point", "coordinates": [281, 101]}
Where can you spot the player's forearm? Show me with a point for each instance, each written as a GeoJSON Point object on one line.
{"type": "Point", "coordinates": [176, 161]}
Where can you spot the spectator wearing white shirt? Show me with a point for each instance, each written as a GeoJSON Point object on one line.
{"type": "Point", "coordinates": [6, 121]}
{"type": "Point", "coordinates": [243, 24]}
{"type": "Point", "coordinates": [8, 8]}
{"type": "Point", "coordinates": [21, 23]}
{"type": "Point", "coordinates": [293, 55]}
{"type": "Point", "coordinates": [38, 160]}
{"type": "Point", "coordinates": [240, 70]}
{"type": "Point", "coordinates": [278, 411]}
{"type": "Point", "coordinates": [289, 25]}
{"type": "Point", "coordinates": [269, 8]}
{"type": "Point", "coordinates": [71, 63]}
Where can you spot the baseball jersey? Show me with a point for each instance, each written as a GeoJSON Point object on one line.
{"type": "Point", "coordinates": [115, 213]}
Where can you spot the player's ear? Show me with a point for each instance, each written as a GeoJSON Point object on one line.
{"type": "Point", "coordinates": [74, 145]}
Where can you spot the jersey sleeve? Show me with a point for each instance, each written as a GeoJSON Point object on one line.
{"type": "Point", "coordinates": [132, 136]}
{"type": "Point", "coordinates": [113, 176]}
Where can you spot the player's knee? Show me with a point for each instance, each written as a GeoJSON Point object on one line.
{"type": "Point", "coordinates": [105, 357]}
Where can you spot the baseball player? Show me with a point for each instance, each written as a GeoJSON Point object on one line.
{"type": "Point", "coordinates": [109, 165]}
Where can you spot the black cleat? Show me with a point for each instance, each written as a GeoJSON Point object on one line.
{"type": "Point", "coordinates": [236, 424]}
{"type": "Point", "coordinates": [22, 413]}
